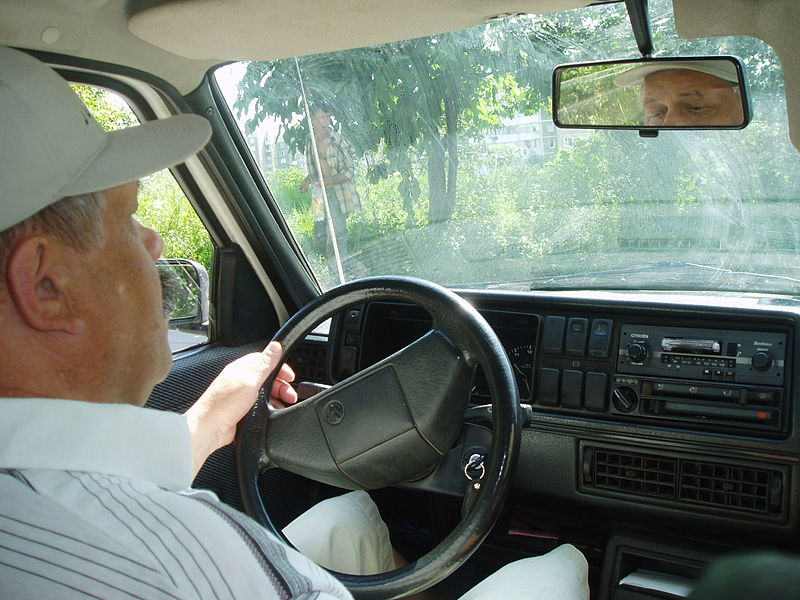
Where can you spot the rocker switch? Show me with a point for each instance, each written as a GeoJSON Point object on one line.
{"type": "Point", "coordinates": [577, 336]}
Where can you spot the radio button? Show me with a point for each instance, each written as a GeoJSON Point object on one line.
{"type": "Point", "coordinates": [761, 360]}
{"type": "Point", "coordinates": [637, 352]}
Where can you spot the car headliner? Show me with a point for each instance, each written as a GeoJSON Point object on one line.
{"type": "Point", "coordinates": [179, 40]}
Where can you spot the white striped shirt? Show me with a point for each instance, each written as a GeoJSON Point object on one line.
{"type": "Point", "coordinates": [94, 503]}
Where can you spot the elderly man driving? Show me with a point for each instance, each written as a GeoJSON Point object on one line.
{"type": "Point", "coordinates": [95, 497]}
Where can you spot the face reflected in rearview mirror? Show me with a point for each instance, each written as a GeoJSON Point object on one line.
{"type": "Point", "coordinates": [665, 93]}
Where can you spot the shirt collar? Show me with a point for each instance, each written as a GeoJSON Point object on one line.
{"type": "Point", "coordinates": [114, 439]}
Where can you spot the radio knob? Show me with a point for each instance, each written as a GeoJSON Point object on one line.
{"type": "Point", "coordinates": [637, 352]}
{"type": "Point", "coordinates": [761, 360]}
{"type": "Point", "coordinates": [624, 398]}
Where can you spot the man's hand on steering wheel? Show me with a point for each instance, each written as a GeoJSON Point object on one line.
{"type": "Point", "coordinates": [213, 418]}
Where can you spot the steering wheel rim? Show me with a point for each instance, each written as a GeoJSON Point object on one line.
{"type": "Point", "coordinates": [480, 344]}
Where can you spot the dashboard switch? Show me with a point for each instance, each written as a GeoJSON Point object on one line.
{"type": "Point", "coordinates": [577, 336]}
{"type": "Point", "coordinates": [548, 383]}
{"type": "Point", "coordinates": [625, 399]}
{"type": "Point", "coordinates": [595, 392]}
{"type": "Point", "coordinates": [553, 335]}
{"type": "Point", "coordinates": [572, 389]}
{"type": "Point", "coordinates": [600, 338]}
{"type": "Point", "coordinates": [352, 319]}
{"type": "Point", "coordinates": [347, 360]}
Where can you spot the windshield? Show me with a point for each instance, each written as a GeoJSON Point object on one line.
{"type": "Point", "coordinates": [438, 158]}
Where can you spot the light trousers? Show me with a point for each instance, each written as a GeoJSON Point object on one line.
{"type": "Point", "coordinates": [347, 534]}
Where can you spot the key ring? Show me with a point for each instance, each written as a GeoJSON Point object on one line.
{"type": "Point", "coordinates": [475, 463]}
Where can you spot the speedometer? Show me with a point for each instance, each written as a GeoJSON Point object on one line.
{"type": "Point", "coordinates": [522, 361]}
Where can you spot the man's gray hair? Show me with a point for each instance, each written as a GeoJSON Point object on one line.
{"type": "Point", "coordinates": [75, 220]}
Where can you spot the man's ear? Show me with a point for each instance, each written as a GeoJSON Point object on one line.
{"type": "Point", "coordinates": [38, 283]}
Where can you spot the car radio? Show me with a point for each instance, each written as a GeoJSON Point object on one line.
{"type": "Point", "coordinates": [713, 376]}
{"type": "Point", "coordinates": [702, 354]}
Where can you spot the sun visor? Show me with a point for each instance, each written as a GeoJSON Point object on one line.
{"type": "Point", "coordinates": [259, 30]}
{"type": "Point", "coordinates": [709, 18]}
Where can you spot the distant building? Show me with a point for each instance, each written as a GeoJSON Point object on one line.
{"type": "Point", "coordinates": [535, 136]}
{"type": "Point", "coordinates": [271, 154]}
{"type": "Point", "coordinates": [284, 158]}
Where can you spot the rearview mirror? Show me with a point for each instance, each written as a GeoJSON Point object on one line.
{"type": "Point", "coordinates": [652, 94]}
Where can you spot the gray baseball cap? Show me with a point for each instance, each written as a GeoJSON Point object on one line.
{"type": "Point", "coordinates": [52, 147]}
{"type": "Point", "coordinates": [724, 69]}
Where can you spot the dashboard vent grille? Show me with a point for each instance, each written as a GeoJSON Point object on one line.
{"type": "Point", "coordinates": [731, 486]}
{"type": "Point", "coordinates": [737, 487]}
{"type": "Point", "coordinates": [635, 473]}
{"type": "Point", "coordinates": [308, 361]}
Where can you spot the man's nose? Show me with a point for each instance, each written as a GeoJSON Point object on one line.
{"type": "Point", "coordinates": [153, 242]}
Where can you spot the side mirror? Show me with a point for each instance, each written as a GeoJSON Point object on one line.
{"type": "Point", "coordinates": [187, 291]}
{"type": "Point", "coordinates": [652, 94]}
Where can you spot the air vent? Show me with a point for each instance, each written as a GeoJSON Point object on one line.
{"type": "Point", "coordinates": [684, 480]}
{"type": "Point", "coordinates": [308, 361]}
{"type": "Point", "coordinates": [634, 473]}
{"type": "Point", "coordinates": [731, 486]}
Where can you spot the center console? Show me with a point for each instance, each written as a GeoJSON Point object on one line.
{"type": "Point", "coordinates": [710, 379]}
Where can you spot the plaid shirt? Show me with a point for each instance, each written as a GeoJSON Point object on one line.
{"type": "Point", "coordinates": [339, 157]}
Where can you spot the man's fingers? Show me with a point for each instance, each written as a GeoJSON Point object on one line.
{"type": "Point", "coordinates": [284, 392]}
{"type": "Point", "coordinates": [283, 395]}
{"type": "Point", "coordinates": [286, 373]}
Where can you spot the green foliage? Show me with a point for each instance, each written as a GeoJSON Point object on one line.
{"type": "Point", "coordinates": [589, 96]}
{"type": "Point", "coordinates": [162, 204]}
{"type": "Point", "coordinates": [285, 185]}
{"type": "Point", "coordinates": [164, 207]}
{"type": "Point", "coordinates": [109, 110]}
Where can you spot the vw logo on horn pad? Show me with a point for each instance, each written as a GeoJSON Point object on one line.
{"type": "Point", "coordinates": [334, 412]}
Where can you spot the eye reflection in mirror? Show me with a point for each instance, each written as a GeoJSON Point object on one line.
{"type": "Point", "coordinates": [669, 93]}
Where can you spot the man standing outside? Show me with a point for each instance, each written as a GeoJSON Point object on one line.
{"type": "Point", "coordinates": [336, 191]}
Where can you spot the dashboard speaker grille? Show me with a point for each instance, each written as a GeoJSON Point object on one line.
{"type": "Point", "coordinates": [684, 480]}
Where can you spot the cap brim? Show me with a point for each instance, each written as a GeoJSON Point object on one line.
{"type": "Point", "coordinates": [636, 75]}
{"type": "Point", "coordinates": [134, 152]}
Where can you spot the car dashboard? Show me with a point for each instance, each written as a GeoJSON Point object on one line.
{"type": "Point", "coordinates": [665, 413]}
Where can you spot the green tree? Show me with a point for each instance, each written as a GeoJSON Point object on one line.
{"type": "Point", "coordinates": [410, 100]}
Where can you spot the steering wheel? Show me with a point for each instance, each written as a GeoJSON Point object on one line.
{"type": "Point", "coordinates": [391, 422]}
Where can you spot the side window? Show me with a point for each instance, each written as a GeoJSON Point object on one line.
{"type": "Point", "coordinates": [188, 250]}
